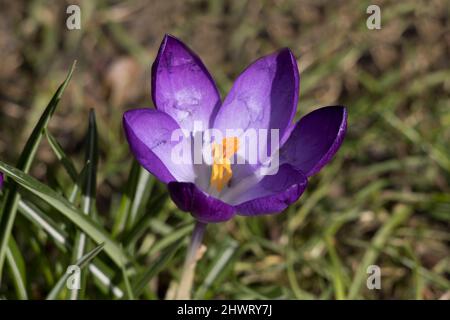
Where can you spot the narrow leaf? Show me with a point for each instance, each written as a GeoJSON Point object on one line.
{"type": "Point", "coordinates": [134, 200]}
{"type": "Point", "coordinates": [12, 197]}
{"type": "Point", "coordinates": [218, 266]}
{"type": "Point", "coordinates": [41, 220]}
{"type": "Point", "coordinates": [165, 257]}
{"type": "Point", "coordinates": [88, 195]}
{"type": "Point", "coordinates": [62, 157]}
{"type": "Point", "coordinates": [16, 266]}
{"type": "Point", "coordinates": [85, 223]}
{"type": "Point", "coordinates": [60, 237]}
{"type": "Point", "coordinates": [81, 263]}
{"type": "Point", "coordinates": [126, 200]}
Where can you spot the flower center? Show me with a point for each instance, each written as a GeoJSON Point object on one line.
{"type": "Point", "coordinates": [221, 169]}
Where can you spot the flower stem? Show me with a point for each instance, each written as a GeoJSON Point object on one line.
{"type": "Point", "coordinates": [187, 277]}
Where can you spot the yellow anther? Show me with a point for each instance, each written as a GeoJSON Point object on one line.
{"type": "Point", "coordinates": [221, 170]}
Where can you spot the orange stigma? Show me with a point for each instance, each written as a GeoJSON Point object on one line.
{"type": "Point", "coordinates": [221, 169]}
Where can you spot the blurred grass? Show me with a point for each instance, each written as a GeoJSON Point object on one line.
{"type": "Point", "coordinates": [395, 158]}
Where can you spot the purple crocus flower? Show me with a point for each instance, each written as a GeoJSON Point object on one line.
{"type": "Point", "coordinates": [264, 96]}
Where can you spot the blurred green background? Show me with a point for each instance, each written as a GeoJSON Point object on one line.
{"type": "Point", "coordinates": [383, 200]}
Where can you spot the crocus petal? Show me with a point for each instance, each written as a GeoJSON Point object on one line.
{"type": "Point", "coordinates": [264, 96]}
{"type": "Point", "coordinates": [1, 180]}
{"type": "Point", "coordinates": [149, 134]}
{"type": "Point", "coordinates": [202, 206]}
{"type": "Point", "coordinates": [182, 86]}
{"type": "Point", "coordinates": [315, 139]}
{"type": "Point", "coordinates": [273, 193]}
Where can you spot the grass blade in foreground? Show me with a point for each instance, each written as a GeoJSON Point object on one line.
{"type": "Point", "coordinates": [12, 197]}
{"type": "Point", "coordinates": [132, 205]}
{"type": "Point", "coordinates": [126, 280]}
{"type": "Point", "coordinates": [61, 239]}
{"type": "Point", "coordinates": [88, 196]}
{"type": "Point", "coordinates": [62, 157]}
{"type": "Point", "coordinates": [85, 223]}
{"type": "Point", "coordinates": [16, 266]}
{"type": "Point", "coordinates": [81, 263]}
{"type": "Point", "coordinates": [126, 201]}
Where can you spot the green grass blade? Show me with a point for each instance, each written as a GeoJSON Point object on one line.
{"type": "Point", "coordinates": [27, 156]}
{"type": "Point", "coordinates": [16, 266]}
{"type": "Point", "coordinates": [401, 213]}
{"type": "Point", "coordinates": [218, 267]}
{"type": "Point", "coordinates": [126, 200]}
{"type": "Point", "coordinates": [61, 238]}
{"type": "Point", "coordinates": [89, 188]}
{"type": "Point", "coordinates": [75, 192]}
{"type": "Point", "coordinates": [336, 267]}
{"type": "Point", "coordinates": [143, 188]}
{"type": "Point", "coordinates": [12, 197]}
{"type": "Point", "coordinates": [171, 238]}
{"type": "Point", "coordinates": [62, 157]}
{"type": "Point", "coordinates": [144, 222]}
{"type": "Point", "coordinates": [88, 195]}
{"type": "Point", "coordinates": [134, 200]}
{"type": "Point", "coordinates": [85, 223]}
{"type": "Point", "coordinates": [104, 278]}
{"type": "Point", "coordinates": [165, 257]}
{"type": "Point", "coordinates": [439, 280]}
{"type": "Point", "coordinates": [41, 220]}
{"type": "Point", "coordinates": [129, 290]}
{"type": "Point", "coordinates": [126, 280]}
{"type": "Point", "coordinates": [435, 152]}
{"type": "Point", "coordinates": [81, 263]}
